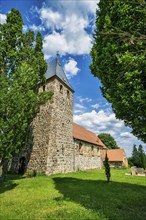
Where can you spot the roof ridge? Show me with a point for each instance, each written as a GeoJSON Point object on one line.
{"type": "Point", "coordinates": [81, 133]}
{"type": "Point", "coordinates": [85, 128]}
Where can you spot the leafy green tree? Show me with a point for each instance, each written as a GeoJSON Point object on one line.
{"type": "Point", "coordinates": [138, 156]}
{"type": "Point", "coordinates": [108, 140]}
{"type": "Point", "coordinates": [142, 157]}
{"type": "Point", "coordinates": [130, 161]}
{"type": "Point", "coordinates": [119, 60]}
{"type": "Point", "coordinates": [135, 156]}
{"type": "Point", "coordinates": [21, 74]}
{"type": "Point", "coordinates": [107, 168]}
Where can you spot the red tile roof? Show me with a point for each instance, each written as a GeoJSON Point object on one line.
{"type": "Point", "coordinates": [83, 134]}
{"type": "Point", "coordinates": [115, 154]}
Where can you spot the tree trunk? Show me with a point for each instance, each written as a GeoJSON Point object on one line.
{"type": "Point", "coordinates": [4, 165]}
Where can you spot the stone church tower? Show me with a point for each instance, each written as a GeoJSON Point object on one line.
{"type": "Point", "coordinates": [58, 145]}
{"type": "Point", "coordinates": [52, 128]}
{"type": "Point", "coordinates": [52, 150]}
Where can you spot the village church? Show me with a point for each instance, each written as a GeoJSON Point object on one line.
{"type": "Point", "coordinates": [58, 145]}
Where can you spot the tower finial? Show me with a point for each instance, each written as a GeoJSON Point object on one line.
{"type": "Point", "coordinates": [57, 53]}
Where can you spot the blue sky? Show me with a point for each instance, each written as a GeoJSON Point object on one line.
{"type": "Point", "coordinates": [67, 27]}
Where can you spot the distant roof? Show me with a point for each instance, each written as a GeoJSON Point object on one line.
{"type": "Point", "coordinates": [55, 69]}
{"type": "Point", "coordinates": [115, 154]}
{"type": "Point", "coordinates": [83, 134]}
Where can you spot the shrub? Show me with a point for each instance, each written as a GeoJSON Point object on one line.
{"type": "Point", "coordinates": [107, 168]}
{"type": "Point", "coordinates": [31, 173]}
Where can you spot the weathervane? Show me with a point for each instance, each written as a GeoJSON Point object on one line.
{"type": "Point", "coordinates": [57, 53]}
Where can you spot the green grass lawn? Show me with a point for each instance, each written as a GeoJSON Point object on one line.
{"type": "Point", "coordinates": [81, 195]}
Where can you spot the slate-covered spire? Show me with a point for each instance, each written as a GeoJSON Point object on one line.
{"type": "Point", "coordinates": [55, 69]}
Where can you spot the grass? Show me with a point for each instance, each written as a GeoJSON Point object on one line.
{"type": "Point", "coordinates": [74, 196]}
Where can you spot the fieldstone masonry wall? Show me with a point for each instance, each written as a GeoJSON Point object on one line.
{"type": "Point", "coordinates": [87, 156]}
{"type": "Point", "coordinates": [53, 149]}
{"type": "Point", "coordinates": [52, 132]}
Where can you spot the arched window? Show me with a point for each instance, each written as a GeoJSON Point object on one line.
{"type": "Point", "coordinates": [80, 146]}
{"type": "Point", "coordinates": [61, 87]}
{"type": "Point", "coordinates": [22, 165]}
{"type": "Point", "coordinates": [44, 87]}
{"type": "Point", "coordinates": [68, 93]}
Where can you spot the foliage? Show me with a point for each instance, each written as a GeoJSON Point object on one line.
{"type": "Point", "coordinates": [31, 173]}
{"type": "Point", "coordinates": [142, 156]}
{"type": "Point", "coordinates": [108, 140]}
{"type": "Point", "coordinates": [119, 60]}
{"type": "Point", "coordinates": [22, 72]}
{"type": "Point", "coordinates": [130, 161]}
{"type": "Point", "coordinates": [107, 168]}
{"type": "Point", "coordinates": [73, 196]}
{"type": "Point", "coordinates": [138, 158]}
{"type": "Point", "coordinates": [135, 156]}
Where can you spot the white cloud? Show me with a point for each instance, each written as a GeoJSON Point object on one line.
{"type": "Point", "coordinates": [126, 134]}
{"type": "Point", "coordinates": [84, 99]}
{"type": "Point", "coordinates": [77, 111]}
{"type": "Point", "coordinates": [105, 122]}
{"type": "Point", "coordinates": [71, 68]}
{"type": "Point", "coordinates": [2, 18]}
{"type": "Point", "coordinates": [79, 106]}
{"type": "Point", "coordinates": [25, 28]}
{"type": "Point", "coordinates": [36, 28]}
{"type": "Point", "coordinates": [99, 121]}
{"type": "Point", "coordinates": [80, 6]}
{"type": "Point", "coordinates": [67, 23]}
{"type": "Point", "coordinates": [73, 39]}
{"type": "Point", "coordinates": [96, 106]}
{"type": "Point", "coordinates": [50, 19]}
{"type": "Point", "coordinates": [33, 27]}
{"type": "Point", "coordinates": [54, 42]}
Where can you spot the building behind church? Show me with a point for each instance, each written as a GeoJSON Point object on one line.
{"type": "Point", "coordinates": [117, 158]}
{"type": "Point", "coordinates": [58, 145]}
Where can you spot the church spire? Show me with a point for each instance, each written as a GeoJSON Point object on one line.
{"type": "Point", "coordinates": [57, 54]}
{"type": "Point", "coordinates": [55, 69]}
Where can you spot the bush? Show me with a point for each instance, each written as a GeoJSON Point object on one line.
{"type": "Point", "coordinates": [107, 168]}
{"type": "Point", "coordinates": [31, 173]}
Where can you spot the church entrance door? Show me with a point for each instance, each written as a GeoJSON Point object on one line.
{"type": "Point", "coordinates": [21, 168]}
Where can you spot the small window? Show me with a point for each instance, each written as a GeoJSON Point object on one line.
{"type": "Point", "coordinates": [61, 87]}
{"type": "Point", "coordinates": [22, 165]}
{"type": "Point", "coordinates": [92, 148]}
{"type": "Point", "coordinates": [44, 88]}
{"type": "Point", "coordinates": [80, 146]}
{"type": "Point", "coordinates": [80, 149]}
{"type": "Point", "coordinates": [68, 93]}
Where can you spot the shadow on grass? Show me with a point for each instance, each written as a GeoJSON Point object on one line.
{"type": "Point", "coordinates": [114, 200]}
{"type": "Point", "coordinates": [8, 183]}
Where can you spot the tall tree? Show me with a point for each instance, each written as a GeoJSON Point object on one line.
{"type": "Point", "coordinates": [108, 140]}
{"type": "Point", "coordinates": [142, 156]}
{"type": "Point", "coordinates": [138, 157]}
{"type": "Point", "coordinates": [21, 74]}
{"type": "Point", "coordinates": [135, 156]}
{"type": "Point", "coordinates": [107, 168]}
{"type": "Point", "coordinates": [119, 60]}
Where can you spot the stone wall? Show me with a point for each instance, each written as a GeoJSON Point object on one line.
{"type": "Point", "coordinates": [52, 149]}
{"type": "Point", "coordinates": [52, 132]}
{"type": "Point", "coordinates": [87, 156]}
{"type": "Point", "coordinates": [60, 151]}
